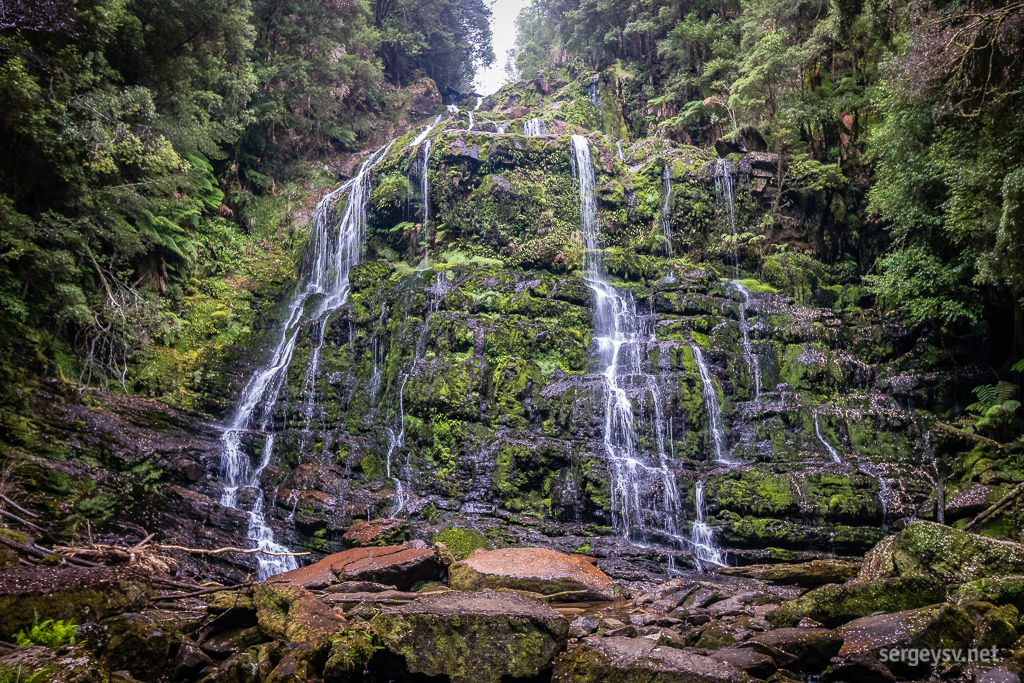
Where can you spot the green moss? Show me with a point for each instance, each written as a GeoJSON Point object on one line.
{"type": "Point", "coordinates": [462, 542]}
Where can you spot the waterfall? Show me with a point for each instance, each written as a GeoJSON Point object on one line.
{"type": "Point", "coordinates": [595, 92]}
{"type": "Point", "coordinates": [666, 207]}
{"type": "Point", "coordinates": [479, 101]}
{"type": "Point", "coordinates": [753, 362]}
{"type": "Point", "coordinates": [831, 451]}
{"type": "Point", "coordinates": [724, 189]}
{"type": "Point", "coordinates": [334, 247]}
{"type": "Point", "coordinates": [622, 336]}
{"type": "Point", "coordinates": [396, 440]}
{"type": "Point", "coordinates": [702, 538]}
{"type": "Point", "coordinates": [471, 123]}
{"type": "Point", "coordinates": [619, 154]}
{"type": "Point", "coordinates": [426, 132]}
{"type": "Point", "coordinates": [534, 128]}
{"type": "Point", "coordinates": [425, 190]}
{"type": "Point", "coordinates": [501, 128]}
{"type": "Point", "coordinates": [711, 402]}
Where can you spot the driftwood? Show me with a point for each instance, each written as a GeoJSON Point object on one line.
{"type": "Point", "coordinates": [36, 551]}
{"type": "Point", "coordinates": [1001, 504]}
{"type": "Point", "coordinates": [195, 594]}
{"type": "Point", "coordinates": [23, 522]}
{"type": "Point", "coordinates": [27, 513]}
{"type": "Point", "coordinates": [218, 551]}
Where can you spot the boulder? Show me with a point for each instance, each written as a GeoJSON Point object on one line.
{"type": "Point", "coordinates": [72, 593]}
{"type": "Point", "coordinates": [806, 574]}
{"type": "Point", "coordinates": [929, 549]}
{"type": "Point", "coordinates": [933, 627]}
{"type": "Point", "coordinates": [812, 647]}
{"type": "Point", "coordinates": [293, 614]}
{"type": "Point", "coordinates": [67, 665]}
{"type": "Point", "coordinates": [377, 532]}
{"type": "Point", "coordinates": [393, 565]}
{"type": "Point", "coordinates": [473, 637]}
{"type": "Point", "coordinates": [837, 604]}
{"type": "Point", "coordinates": [537, 570]}
{"type": "Point", "coordinates": [746, 659]}
{"type": "Point", "coordinates": [1008, 590]}
{"type": "Point", "coordinates": [625, 660]}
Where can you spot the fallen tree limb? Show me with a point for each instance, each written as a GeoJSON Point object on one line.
{"type": "Point", "coordinates": [43, 553]}
{"type": "Point", "coordinates": [996, 507]}
{"type": "Point", "coordinates": [27, 513]}
{"type": "Point", "coordinates": [967, 435]}
{"type": "Point", "coordinates": [195, 594]}
{"type": "Point", "coordinates": [21, 521]}
{"type": "Point", "coordinates": [218, 551]}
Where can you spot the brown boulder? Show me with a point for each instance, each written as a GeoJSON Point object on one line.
{"type": "Point", "coordinates": [377, 532]}
{"type": "Point", "coordinates": [396, 565]}
{"type": "Point", "coordinates": [536, 570]}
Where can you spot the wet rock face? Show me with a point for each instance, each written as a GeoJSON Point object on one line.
{"type": "Point", "coordinates": [473, 637]}
{"type": "Point", "coordinates": [377, 532]}
{"type": "Point", "coordinates": [537, 570]}
{"type": "Point", "coordinates": [833, 605]}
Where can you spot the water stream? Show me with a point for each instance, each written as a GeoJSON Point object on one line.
{"type": "Point", "coordinates": [831, 450]}
{"type": "Point", "coordinates": [711, 403]}
{"type": "Point", "coordinates": [666, 207]}
{"type": "Point", "coordinates": [724, 189]}
{"type": "Point", "coordinates": [534, 128]}
{"type": "Point", "coordinates": [396, 441]}
{"type": "Point", "coordinates": [335, 246]}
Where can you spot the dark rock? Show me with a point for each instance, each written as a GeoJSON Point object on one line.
{"type": "Point", "coordinates": [861, 667]}
{"type": "Point", "coordinates": [292, 614]}
{"type": "Point", "coordinates": [746, 659]}
{"type": "Point", "coordinates": [812, 647]}
{"type": "Point", "coordinates": [807, 574]}
{"type": "Point", "coordinates": [473, 637]}
{"type": "Point", "coordinates": [226, 643]}
{"type": "Point", "coordinates": [624, 660]}
{"type": "Point", "coordinates": [190, 660]}
{"type": "Point", "coordinates": [78, 594]}
{"type": "Point", "coordinates": [67, 665]}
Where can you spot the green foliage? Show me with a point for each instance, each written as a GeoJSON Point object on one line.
{"type": "Point", "coordinates": [462, 542]}
{"type": "Point", "coordinates": [996, 408]}
{"type": "Point", "coordinates": [20, 675]}
{"type": "Point", "coordinates": [50, 633]}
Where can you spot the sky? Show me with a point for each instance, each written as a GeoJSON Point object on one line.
{"type": "Point", "coordinates": [503, 32]}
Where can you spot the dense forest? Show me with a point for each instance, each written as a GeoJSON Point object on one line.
{"type": "Point", "coordinates": [691, 351]}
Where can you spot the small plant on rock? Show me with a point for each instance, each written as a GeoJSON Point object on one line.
{"type": "Point", "coordinates": [50, 633]}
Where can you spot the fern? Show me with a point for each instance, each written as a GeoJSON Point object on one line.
{"type": "Point", "coordinates": [995, 407]}
{"type": "Point", "coordinates": [19, 675]}
{"type": "Point", "coordinates": [50, 633]}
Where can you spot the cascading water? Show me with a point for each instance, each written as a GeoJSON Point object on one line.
{"type": "Point", "coordinates": [479, 101]}
{"type": "Point", "coordinates": [595, 92]}
{"type": "Point", "coordinates": [425, 190]}
{"type": "Point", "coordinates": [396, 441]}
{"type": "Point", "coordinates": [619, 154]}
{"type": "Point", "coordinates": [831, 450]}
{"type": "Point", "coordinates": [335, 246]}
{"type": "Point", "coordinates": [666, 207]}
{"type": "Point", "coordinates": [711, 402]}
{"type": "Point", "coordinates": [426, 132]}
{"type": "Point", "coordinates": [702, 537]}
{"type": "Point", "coordinates": [753, 362]}
{"type": "Point", "coordinates": [534, 128]}
{"type": "Point", "coordinates": [724, 188]}
{"type": "Point", "coordinates": [622, 336]}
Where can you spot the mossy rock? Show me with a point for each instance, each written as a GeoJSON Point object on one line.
{"type": "Point", "coordinates": [1006, 590]}
{"type": "Point", "coordinates": [934, 550]}
{"type": "Point", "coordinates": [76, 594]}
{"type": "Point", "coordinates": [836, 604]}
{"type": "Point", "coordinates": [473, 637]}
{"type": "Point", "coordinates": [293, 614]}
{"type": "Point", "coordinates": [462, 542]}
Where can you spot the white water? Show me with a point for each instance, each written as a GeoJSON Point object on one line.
{"type": "Point", "coordinates": [666, 207]}
{"type": "Point", "coordinates": [711, 403]}
{"type": "Point", "coordinates": [622, 336]}
{"type": "Point", "coordinates": [335, 246]}
{"type": "Point", "coordinates": [396, 441]}
{"type": "Point", "coordinates": [702, 537]}
{"type": "Point", "coordinates": [426, 132]}
{"type": "Point", "coordinates": [425, 190]}
{"type": "Point", "coordinates": [831, 451]}
{"type": "Point", "coordinates": [753, 362]}
{"type": "Point", "coordinates": [534, 128]}
{"type": "Point", "coordinates": [619, 154]}
{"type": "Point", "coordinates": [472, 123]}
{"type": "Point", "coordinates": [479, 101]}
{"type": "Point", "coordinates": [595, 93]}
{"type": "Point", "coordinates": [724, 186]}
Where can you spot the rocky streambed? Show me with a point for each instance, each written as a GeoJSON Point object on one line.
{"type": "Point", "coordinates": [921, 600]}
